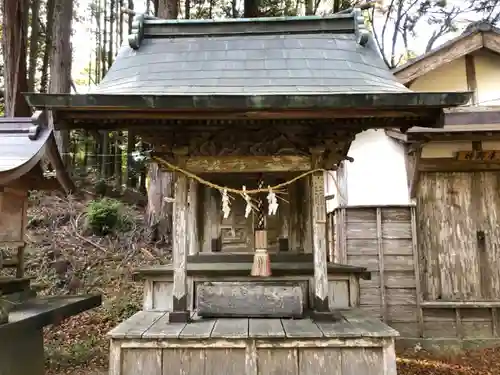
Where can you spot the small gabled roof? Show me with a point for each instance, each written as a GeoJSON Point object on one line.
{"type": "Point", "coordinates": [465, 123]}
{"type": "Point", "coordinates": [476, 36]}
{"type": "Point", "coordinates": [24, 141]}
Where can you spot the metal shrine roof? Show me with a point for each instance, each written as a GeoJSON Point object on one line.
{"type": "Point", "coordinates": [23, 144]}
{"type": "Point", "coordinates": [247, 69]}
{"type": "Point", "coordinates": [334, 54]}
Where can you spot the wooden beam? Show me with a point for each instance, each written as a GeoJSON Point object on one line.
{"type": "Point", "coordinates": [247, 164]}
{"type": "Point", "coordinates": [432, 61]}
{"type": "Point", "coordinates": [479, 116]}
{"type": "Point", "coordinates": [463, 304]}
{"type": "Point", "coordinates": [414, 173]}
{"type": "Point", "coordinates": [397, 135]}
{"type": "Point", "coordinates": [417, 270]}
{"type": "Point", "coordinates": [61, 173]}
{"type": "Point", "coordinates": [491, 41]}
{"type": "Point", "coordinates": [250, 105]}
{"type": "Point", "coordinates": [380, 250]}
{"type": "Point", "coordinates": [454, 165]}
{"type": "Point", "coordinates": [470, 132]}
{"type": "Point", "coordinates": [470, 73]}
{"type": "Point", "coordinates": [120, 114]}
{"type": "Point", "coordinates": [454, 137]}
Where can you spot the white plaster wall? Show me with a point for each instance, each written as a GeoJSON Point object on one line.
{"type": "Point", "coordinates": [487, 66]}
{"type": "Point", "coordinates": [377, 176]}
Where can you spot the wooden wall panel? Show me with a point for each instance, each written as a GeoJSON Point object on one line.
{"type": "Point", "coordinates": [380, 239]}
{"type": "Point", "coordinates": [447, 222]}
{"type": "Point", "coordinates": [458, 230]}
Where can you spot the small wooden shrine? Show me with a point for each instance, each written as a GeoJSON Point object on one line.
{"type": "Point", "coordinates": [249, 115]}
{"type": "Point", "coordinates": [26, 145]}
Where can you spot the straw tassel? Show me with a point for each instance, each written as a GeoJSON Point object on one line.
{"type": "Point", "coordinates": [261, 262]}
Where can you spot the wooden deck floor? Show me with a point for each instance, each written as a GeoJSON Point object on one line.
{"type": "Point", "coordinates": [154, 325]}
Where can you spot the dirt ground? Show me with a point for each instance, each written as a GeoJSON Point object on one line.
{"type": "Point", "coordinates": [63, 259]}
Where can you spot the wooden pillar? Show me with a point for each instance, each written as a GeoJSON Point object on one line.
{"type": "Point", "coordinates": [293, 217]}
{"type": "Point", "coordinates": [284, 224]}
{"type": "Point", "coordinates": [306, 218]}
{"type": "Point", "coordinates": [211, 222]}
{"type": "Point", "coordinates": [179, 250]}
{"type": "Point", "coordinates": [318, 220]}
{"type": "Point", "coordinates": [192, 218]}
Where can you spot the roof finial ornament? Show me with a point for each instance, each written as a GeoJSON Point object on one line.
{"type": "Point", "coordinates": [137, 32]}
{"type": "Point", "coordinates": [362, 33]}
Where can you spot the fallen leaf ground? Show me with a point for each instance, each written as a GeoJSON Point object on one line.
{"type": "Point", "coordinates": [63, 259]}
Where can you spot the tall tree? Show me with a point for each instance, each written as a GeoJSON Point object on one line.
{"type": "Point", "coordinates": [49, 11]}
{"type": "Point", "coordinates": [396, 25]}
{"type": "Point", "coordinates": [168, 9]}
{"type": "Point", "coordinates": [14, 53]}
{"type": "Point", "coordinates": [251, 8]}
{"type": "Point", "coordinates": [61, 59]}
{"type": "Point", "coordinates": [34, 43]}
{"type": "Point", "coordinates": [159, 213]}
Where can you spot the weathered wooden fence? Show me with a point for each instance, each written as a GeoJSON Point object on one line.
{"type": "Point", "coordinates": [385, 240]}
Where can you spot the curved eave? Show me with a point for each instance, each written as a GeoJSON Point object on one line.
{"type": "Point", "coordinates": [30, 156]}
{"type": "Point", "coordinates": [7, 177]}
{"type": "Point", "coordinates": [197, 104]}
{"type": "Point", "coordinates": [20, 165]}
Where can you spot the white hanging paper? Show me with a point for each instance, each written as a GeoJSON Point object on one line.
{"type": "Point", "coordinates": [225, 204]}
{"type": "Point", "coordinates": [248, 207]}
{"type": "Point", "coordinates": [272, 202]}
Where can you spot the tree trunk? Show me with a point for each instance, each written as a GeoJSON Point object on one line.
{"type": "Point", "coordinates": [158, 212]}
{"type": "Point", "coordinates": [131, 169]}
{"type": "Point", "coordinates": [251, 8]}
{"type": "Point", "coordinates": [118, 160]}
{"type": "Point", "coordinates": [48, 45]}
{"type": "Point", "coordinates": [309, 7]}
{"type": "Point", "coordinates": [104, 154]}
{"type": "Point", "coordinates": [130, 18]}
{"type": "Point", "coordinates": [60, 67]}
{"type": "Point", "coordinates": [111, 32]}
{"type": "Point", "coordinates": [168, 9]}
{"type": "Point", "coordinates": [104, 40]}
{"type": "Point", "coordinates": [34, 40]}
{"type": "Point", "coordinates": [14, 51]}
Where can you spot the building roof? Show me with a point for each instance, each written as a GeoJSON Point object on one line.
{"type": "Point", "coordinates": [247, 68]}
{"type": "Point", "coordinates": [476, 36]}
{"type": "Point", "coordinates": [24, 141]}
{"type": "Point", "coordinates": [261, 56]}
{"type": "Point", "coordinates": [465, 123]}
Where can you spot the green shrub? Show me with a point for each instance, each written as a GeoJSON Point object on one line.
{"type": "Point", "coordinates": [105, 216]}
{"type": "Point", "coordinates": [101, 187]}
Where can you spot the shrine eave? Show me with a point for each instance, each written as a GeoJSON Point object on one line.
{"type": "Point", "coordinates": [350, 105]}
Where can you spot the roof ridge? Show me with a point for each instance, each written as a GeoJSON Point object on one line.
{"type": "Point", "coordinates": [32, 131]}
{"type": "Point", "coordinates": [349, 22]}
